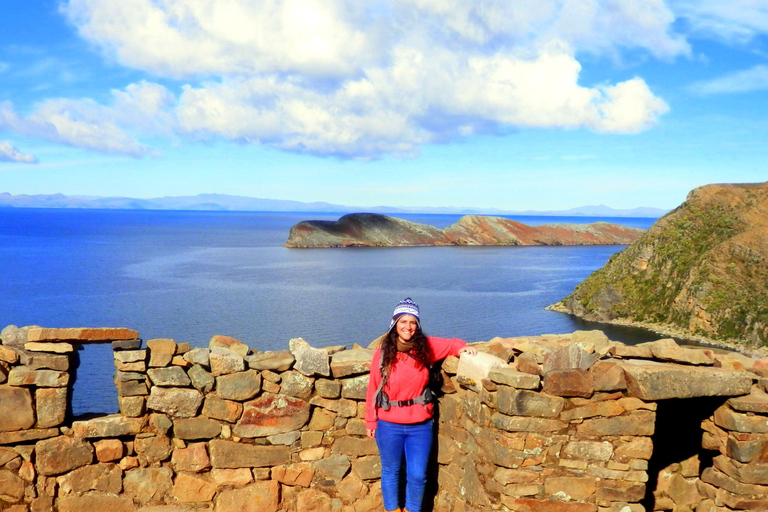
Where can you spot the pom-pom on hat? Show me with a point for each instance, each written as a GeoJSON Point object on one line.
{"type": "Point", "coordinates": [405, 307]}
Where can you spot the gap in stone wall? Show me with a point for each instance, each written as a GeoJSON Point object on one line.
{"type": "Point", "coordinates": [677, 439]}
{"type": "Point", "coordinates": [92, 390]}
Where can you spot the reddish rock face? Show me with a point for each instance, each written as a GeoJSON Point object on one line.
{"type": "Point", "coordinates": [272, 414]}
{"type": "Point", "coordinates": [372, 230]}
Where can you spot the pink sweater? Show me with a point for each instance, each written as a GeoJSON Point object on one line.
{"type": "Point", "coordinates": [406, 380]}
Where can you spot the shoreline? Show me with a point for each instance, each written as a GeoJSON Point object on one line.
{"type": "Point", "coordinates": [675, 332]}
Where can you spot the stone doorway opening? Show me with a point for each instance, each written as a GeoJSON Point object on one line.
{"type": "Point", "coordinates": [678, 457]}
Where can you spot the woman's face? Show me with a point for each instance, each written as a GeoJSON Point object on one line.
{"type": "Point", "coordinates": [406, 327]}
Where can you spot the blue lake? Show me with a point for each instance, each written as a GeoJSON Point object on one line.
{"type": "Point", "coordinates": [190, 275]}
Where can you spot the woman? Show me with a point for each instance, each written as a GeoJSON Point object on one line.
{"type": "Point", "coordinates": [398, 412]}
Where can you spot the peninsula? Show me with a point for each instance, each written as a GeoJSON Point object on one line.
{"type": "Point", "coordinates": [374, 230]}
{"type": "Point", "coordinates": [699, 272]}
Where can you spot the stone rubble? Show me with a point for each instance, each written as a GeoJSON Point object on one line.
{"type": "Point", "coordinates": [552, 423]}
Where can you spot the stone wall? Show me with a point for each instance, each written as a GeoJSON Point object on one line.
{"type": "Point", "coordinates": [561, 423]}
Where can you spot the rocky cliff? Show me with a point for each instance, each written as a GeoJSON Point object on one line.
{"type": "Point", "coordinates": [372, 230]}
{"type": "Point", "coordinates": [701, 270]}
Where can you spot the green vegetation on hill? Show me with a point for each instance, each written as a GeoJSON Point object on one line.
{"type": "Point", "coordinates": [700, 269]}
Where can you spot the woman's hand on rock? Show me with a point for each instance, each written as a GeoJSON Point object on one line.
{"type": "Point", "coordinates": [470, 351]}
{"type": "Point", "coordinates": [370, 432]}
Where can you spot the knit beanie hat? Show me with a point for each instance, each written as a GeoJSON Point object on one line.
{"type": "Point", "coordinates": [405, 307]}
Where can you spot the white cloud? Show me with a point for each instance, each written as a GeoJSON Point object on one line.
{"type": "Point", "coordinates": [733, 22]}
{"type": "Point", "coordinates": [9, 153]}
{"type": "Point", "coordinates": [79, 123]}
{"type": "Point", "coordinates": [356, 79]}
{"type": "Point", "coordinates": [748, 80]}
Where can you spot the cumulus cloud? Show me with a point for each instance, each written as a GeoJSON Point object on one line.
{"type": "Point", "coordinates": [79, 123]}
{"type": "Point", "coordinates": [9, 153]}
{"type": "Point", "coordinates": [356, 79]}
{"type": "Point", "coordinates": [747, 80]}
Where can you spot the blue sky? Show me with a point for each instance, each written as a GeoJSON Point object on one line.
{"type": "Point", "coordinates": [535, 104]}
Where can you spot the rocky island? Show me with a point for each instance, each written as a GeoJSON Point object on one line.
{"type": "Point", "coordinates": [699, 272]}
{"type": "Point", "coordinates": [374, 230]}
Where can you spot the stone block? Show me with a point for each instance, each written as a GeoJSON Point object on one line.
{"type": "Point", "coordinates": [161, 352]}
{"type": "Point", "coordinates": [294, 474]}
{"type": "Point", "coordinates": [113, 425]}
{"type": "Point", "coordinates": [635, 423]}
{"type": "Point", "coordinates": [367, 467]}
{"type": "Point", "coordinates": [327, 388]}
{"type": "Point", "coordinates": [618, 490]}
{"type": "Point", "coordinates": [663, 381]}
{"type": "Point", "coordinates": [56, 348]}
{"type": "Point", "coordinates": [637, 448]}
{"type": "Point", "coordinates": [228, 343]}
{"type": "Point", "coordinates": [224, 362]}
{"type": "Point", "coordinates": [333, 468]}
{"type": "Point", "coordinates": [569, 488]}
{"type": "Point", "coordinates": [132, 388]}
{"type": "Point", "coordinates": [148, 485]}
{"type": "Point", "coordinates": [62, 454]}
{"type": "Point", "coordinates": [23, 436]}
{"type": "Point", "coordinates": [513, 402]}
{"type": "Point", "coordinates": [588, 450]}
{"type": "Point", "coordinates": [178, 402]}
{"type": "Point", "coordinates": [287, 438]}
{"type": "Point", "coordinates": [23, 376]}
{"type": "Point", "coordinates": [569, 382]}
{"type": "Point", "coordinates": [608, 376]}
{"type": "Point", "coordinates": [199, 356]}
{"type": "Point", "coordinates": [169, 376]}
{"type": "Point", "coordinates": [295, 384]}
{"type": "Point", "coordinates": [272, 414]}
{"type": "Point", "coordinates": [51, 405]}
{"type": "Point", "coordinates": [756, 401]}
{"type": "Point", "coordinates": [94, 502]}
{"type": "Point", "coordinates": [606, 408]}
{"type": "Point", "coordinates": [8, 355]}
{"type": "Point", "coordinates": [201, 379]}
{"type": "Point", "coordinates": [231, 455]}
{"type": "Point", "coordinates": [18, 411]}
{"type": "Point", "coordinates": [134, 344]}
{"type": "Point", "coordinates": [472, 370]}
{"type": "Point", "coordinates": [219, 409]}
{"type": "Point", "coordinates": [192, 488]}
{"type": "Point", "coordinates": [132, 406]}
{"type": "Point", "coordinates": [278, 361]}
{"type": "Point", "coordinates": [151, 449]}
{"type": "Point", "coordinates": [109, 450]}
{"type": "Point", "coordinates": [569, 357]}
{"type": "Point", "coordinates": [351, 362]}
{"type": "Point", "coordinates": [95, 477]}
{"type": "Point", "coordinates": [309, 361]}
{"type": "Point", "coordinates": [232, 477]}
{"type": "Point", "coordinates": [355, 446]}
{"type": "Point", "coordinates": [262, 496]}
{"type": "Point", "coordinates": [41, 361]}
{"type": "Point", "coordinates": [81, 334]}
{"type": "Point", "coordinates": [196, 428]}
{"type": "Point", "coordinates": [344, 408]}
{"type": "Point", "coordinates": [731, 420]}
{"type": "Point", "coordinates": [239, 386]}
{"type": "Point", "coordinates": [526, 424]}
{"type": "Point", "coordinates": [508, 376]}
{"type": "Point", "coordinates": [11, 486]}
{"type": "Point", "coordinates": [355, 388]}
{"type": "Point", "coordinates": [192, 459]}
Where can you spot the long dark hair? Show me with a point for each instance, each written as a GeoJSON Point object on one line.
{"type": "Point", "coordinates": [421, 350]}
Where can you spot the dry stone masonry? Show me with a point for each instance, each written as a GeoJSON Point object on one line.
{"type": "Point", "coordinates": [553, 423]}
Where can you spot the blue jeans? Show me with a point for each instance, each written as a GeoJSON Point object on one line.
{"type": "Point", "coordinates": [414, 441]}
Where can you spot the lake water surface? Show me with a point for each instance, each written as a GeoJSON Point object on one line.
{"type": "Point", "coordinates": [190, 275]}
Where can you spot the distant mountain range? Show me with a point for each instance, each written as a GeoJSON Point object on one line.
{"type": "Point", "coordinates": [223, 202]}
